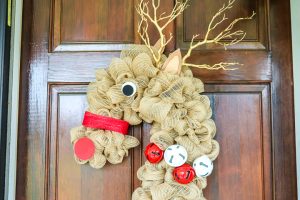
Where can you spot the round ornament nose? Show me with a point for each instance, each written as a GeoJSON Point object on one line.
{"type": "Point", "coordinates": [175, 155]}
{"type": "Point", "coordinates": [184, 174]}
{"type": "Point", "coordinates": [129, 89]}
{"type": "Point", "coordinates": [203, 166]}
{"type": "Point", "coordinates": [84, 148]}
{"type": "Point", "coordinates": [153, 153]}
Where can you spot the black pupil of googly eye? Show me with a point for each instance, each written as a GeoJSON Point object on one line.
{"type": "Point", "coordinates": [128, 90]}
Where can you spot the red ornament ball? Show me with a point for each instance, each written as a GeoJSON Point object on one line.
{"type": "Point", "coordinates": [184, 174]}
{"type": "Point", "coordinates": [84, 148]}
{"type": "Point", "coordinates": [153, 153]}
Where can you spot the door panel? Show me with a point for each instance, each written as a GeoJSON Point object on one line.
{"type": "Point", "coordinates": [243, 168]}
{"type": "Point", "coordinates": [58, 63]}
{"type": "Point", "coordinates": [83, 21]}
{"type": "Point", "coordinates": [69, 180]}
{"type": "Point", "coordinates": [87, 26]}
{"type": "Point", "coordinates": [196, 20]}
{"type": "Point", "coordinates": [93, 25]}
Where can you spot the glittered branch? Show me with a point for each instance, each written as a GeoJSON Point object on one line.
{"type": "Point", "coordinates": [160, 22]}
{"type": "Point", "coordinates": [225, 38]}
{"type": "Point", "coordinates": [222, 65]}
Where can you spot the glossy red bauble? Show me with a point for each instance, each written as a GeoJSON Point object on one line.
{"type": "Point", "coordinates": [184, 174]}
{"type": "Point", "coordinates": [153, 153]}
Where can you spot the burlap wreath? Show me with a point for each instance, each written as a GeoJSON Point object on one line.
{"type": "Point", "coordinates": [172, 103]}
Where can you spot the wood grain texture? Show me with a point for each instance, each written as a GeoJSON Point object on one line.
{"type": "Point", "coordinates": [258, 151]}
{"type": "Point", "coordinates": [81, 67]}
{"type": "Point", "coordinates": [68, 180]}
{"type": "Point", "coordinates": [85, 26]}
{"type": "Point", "coordinates": [283, 102]}
{"type": "Point", "coordinates": [243, 168]}
{"type": "Point", "coordinates": [87, 21]}
{"type": "Point", "coordinates": [31, 163]}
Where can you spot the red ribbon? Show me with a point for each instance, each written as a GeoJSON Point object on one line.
{"type": "Point", "coordinates": [106, 123]}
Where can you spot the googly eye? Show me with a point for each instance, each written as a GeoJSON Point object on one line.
{"type": "Point", "coordinates": [129, 89]}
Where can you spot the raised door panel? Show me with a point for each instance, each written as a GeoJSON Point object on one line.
{"type": "Point", "coordinates": [92, 25]}
{"type": "Point", "coordinates": [196, 20]}
{"type": "Point", "coordinates": [243, 169]}
{"type": "Point", "coordinates": [97, 25]}
{"type": "Point", "coordinates": [87, 21]}
{"type": "Point", "coordinates": [67, 179]}
{"type": "Point", "coordinates": [253, 53]}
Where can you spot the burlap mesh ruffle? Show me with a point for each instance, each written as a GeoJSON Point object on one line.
{"type": "Point", "coordinates": [180, 114]}
{"type": "Point", "coordinates": [110, 146]}
{"type": "Point", "coordinates": [172, 103]}
{"type": "Point", "coordinates": [105, 98]}
{"type": "Point", "coordinates": [158, 184]}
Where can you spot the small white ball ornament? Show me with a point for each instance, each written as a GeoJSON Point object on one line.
{"type": "Point", "coordinates": [203, 166]}
{"type": "Point", "coordinates": [175, 155]}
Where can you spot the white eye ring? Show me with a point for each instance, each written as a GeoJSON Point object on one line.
{"type": "Point", "coordinates": [129, 89]}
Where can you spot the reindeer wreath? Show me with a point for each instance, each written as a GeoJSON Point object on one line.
{"type": "Point", "coordinates": [145, 85]}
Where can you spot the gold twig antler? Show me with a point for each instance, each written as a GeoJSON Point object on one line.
{"type": "Point", "coordinates": [221, 38]}
{"type": "Point", "coordinates": [225, 37]}
{"type": "Point", "coordinates": [222, 65]}
{"type": "Point", "coordinates": [159, 21]}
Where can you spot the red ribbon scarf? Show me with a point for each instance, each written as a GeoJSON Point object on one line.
{"type": "Point", "coordinates": [106, 123]}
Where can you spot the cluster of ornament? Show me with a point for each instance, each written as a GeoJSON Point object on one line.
{"type": "Point", "coordinates": [176, 156]}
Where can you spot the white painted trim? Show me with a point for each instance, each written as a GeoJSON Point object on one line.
{"type": "Point", "coordinates": [13, 101]}
{"type": "Point", "coordinates": [295, 5]}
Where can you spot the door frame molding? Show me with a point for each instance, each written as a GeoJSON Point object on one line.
{"type": "Point", "coordinates": [4, 68]}
{"type": "Point", "coordinates": [282, 102]}
{"type": "Point", "coordinates": [13, 98]}
{"type": "Point", "coordinates": [296, 62]}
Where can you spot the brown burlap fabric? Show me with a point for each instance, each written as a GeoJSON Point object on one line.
{"type": "Point", "coordinates": [172, 103]}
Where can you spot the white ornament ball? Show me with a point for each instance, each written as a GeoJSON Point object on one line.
{"type": "Point", "coordinates": [203, 166]}
{"type": "Point", "coordinates": [175, 155]}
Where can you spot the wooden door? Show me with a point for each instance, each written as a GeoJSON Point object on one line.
{"type": "Point", "coordinates": [64, 41]}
